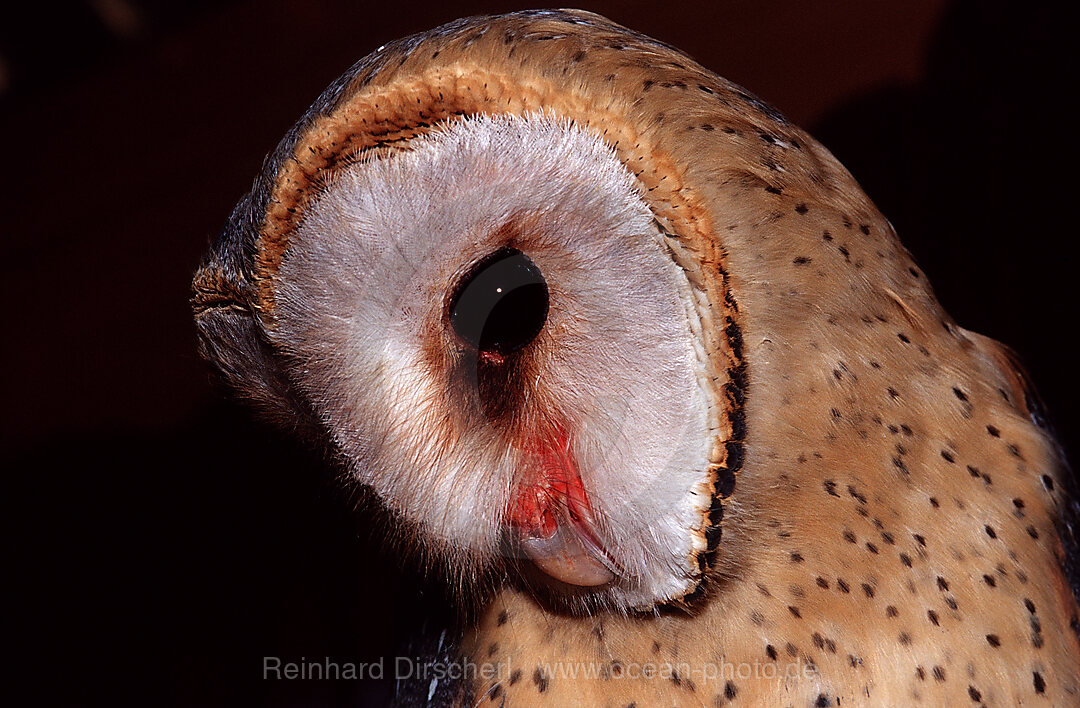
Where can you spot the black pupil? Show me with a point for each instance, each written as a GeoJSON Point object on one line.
{"type": "Point", "coordinates": [502, 304]}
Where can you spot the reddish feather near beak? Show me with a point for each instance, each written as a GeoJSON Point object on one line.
{"type": "Point", "coordinates": [551, 518]}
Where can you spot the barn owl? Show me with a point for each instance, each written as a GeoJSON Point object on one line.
{"type": "Point", "coordinates": [638, 368]}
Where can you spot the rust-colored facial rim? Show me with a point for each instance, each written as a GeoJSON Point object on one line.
{"type": "Point", "coordinates": [383, 115]}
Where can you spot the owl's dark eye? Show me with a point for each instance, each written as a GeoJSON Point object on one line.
{"type": "Point", "coordinates": [501, 304]}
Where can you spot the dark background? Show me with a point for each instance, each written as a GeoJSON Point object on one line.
{"type": "Point", "coordinates": [159, 541]}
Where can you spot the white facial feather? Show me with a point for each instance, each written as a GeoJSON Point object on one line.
{"type": "Point", "coordinates": [362, 303]}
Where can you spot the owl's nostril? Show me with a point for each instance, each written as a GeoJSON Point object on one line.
{"type": "Point", "coordinates": [501, 304]}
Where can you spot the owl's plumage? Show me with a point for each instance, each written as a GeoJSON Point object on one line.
{"type": "Point", "coordinates": [747, 433]}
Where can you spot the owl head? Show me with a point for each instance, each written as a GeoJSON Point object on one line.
{"type": "Point", "coordinates": [497, 268]}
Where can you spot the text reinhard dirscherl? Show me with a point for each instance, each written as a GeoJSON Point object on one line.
{"type": "Point", "coordinates": [412, 668]}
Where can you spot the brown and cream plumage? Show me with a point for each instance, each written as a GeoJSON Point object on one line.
{"type": "Point", "coordinates": [743, 434]}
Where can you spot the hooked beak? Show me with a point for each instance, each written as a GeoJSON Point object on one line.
{"type": "Point", "coordinates": [552, 521]}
